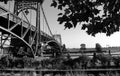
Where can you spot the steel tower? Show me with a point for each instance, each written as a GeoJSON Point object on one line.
{"type": "Point", "coordinates": [24, 5]}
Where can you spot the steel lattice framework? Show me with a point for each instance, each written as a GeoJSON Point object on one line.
{"type": "Point", "coordinates": [22, 33]}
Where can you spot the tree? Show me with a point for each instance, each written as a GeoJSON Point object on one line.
{"type": "Point", "coordinates": [88, 14]}
{"type": "Point", "coordinates": [98, 47]}
{"type": "Point", "coordinates": [83, 47]}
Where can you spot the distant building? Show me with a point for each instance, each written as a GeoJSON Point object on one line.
{"type": "Point", "coordinates": [58, 38]}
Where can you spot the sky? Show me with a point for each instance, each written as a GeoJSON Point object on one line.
{"type": "Point", "coordinates": [72, 38]}
{"type": "Point", "coordinates": [75, 36]}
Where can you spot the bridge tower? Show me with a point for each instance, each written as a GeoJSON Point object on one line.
{"type": "Point", "coordinates": [58, 38]}
{"type": "Point", "coordinates": [23, 6]}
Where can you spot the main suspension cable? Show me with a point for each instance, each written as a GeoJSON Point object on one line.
{"type": "Point", "coordinates": [46, 20]}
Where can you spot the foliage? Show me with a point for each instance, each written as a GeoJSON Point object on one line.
{"type": "Point", "coordinates": [99, 16]}
{"type": "Point", "coordinates": [5, 1]}
{"type": "Point", "coordinates": [4, 62]}
{"type": "Point", "coordinates": [83, 47]}
{"type": "Point", "coordinates": [104, 59]}
{"type": "Point", "coordinates": [9, 61]}
{"type": "Point", "coordinates": [77, 63]}
{"type": "Point", "coordinates": [98, 47]}
{"type": "Point", "coordinates": [64, 63]}
{"type": "Point", "coordinates": [116, 60]}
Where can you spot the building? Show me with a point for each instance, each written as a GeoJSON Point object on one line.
{"type": "Point", "coordinates": [58, 38]}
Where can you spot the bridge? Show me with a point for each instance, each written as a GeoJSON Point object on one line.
{"type": "Point", "coordinates": [20, 33]}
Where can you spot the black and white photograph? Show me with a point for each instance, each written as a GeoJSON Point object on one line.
{"type": "Point", "coordinates": [59, 37]}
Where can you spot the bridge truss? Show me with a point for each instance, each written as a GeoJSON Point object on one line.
{"type": "Point", "coordinates": [20, 33]}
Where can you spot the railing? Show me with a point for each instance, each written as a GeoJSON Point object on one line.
{"type": "Point", "coordinates": [56, 70]}
{"type": "Point", "coordinates": [33, 72]}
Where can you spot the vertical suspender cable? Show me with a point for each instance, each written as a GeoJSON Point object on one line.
{"type": "Point", "coordinates": [1, 42]}
{"type": "Point", "coordinates": [43, 28]}
{"type": "Point", "coordinates": [43, 25]}
{"type": "Point", "coordinates": [22, 25]}
{"type": "Point", "coordinates": [30, 28]}
{"type": "Point", "coordinates": [9, 16]}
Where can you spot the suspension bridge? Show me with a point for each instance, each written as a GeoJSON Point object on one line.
{"type": "Point", "coordinates": [24, 33]}
{"type": "Point", "coordinates": [19, 31]}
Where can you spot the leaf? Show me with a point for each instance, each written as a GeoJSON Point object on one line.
{"type": "Point", "coordinates": [74, 22]}
{"type": "Point", "coordinates": [60, 1]}
{"type": "Point", "coordinates": [104, 30]}
{"type": "Point", "coordinates": [5, 2]}
{"type": "Point", "coordinates": [84, 26]}
{"type": "Point", "coordinates": [60, 14]}
{"type": "Point", "coordinates": [68, 25]}
{"type": "Point", "coordinates": [60, 7]}
{"type": "Point", "coordinates": [65, 18]}
{"type": "Point", "coordinates": [97, 18]}
{"type": "Point", "coordinates": [67, 11]}
{"type": "Point", "coordinates": [54, 4]}
{"type": "Point", "coordinates": [64, 4]}
{"type": "Point", "coordinates": [96, 11]}
{"type": "Point", "coordinates": [62, 19]}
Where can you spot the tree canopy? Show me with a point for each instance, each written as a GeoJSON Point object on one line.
{"type": "Point", "coordinates": [95, 16]}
